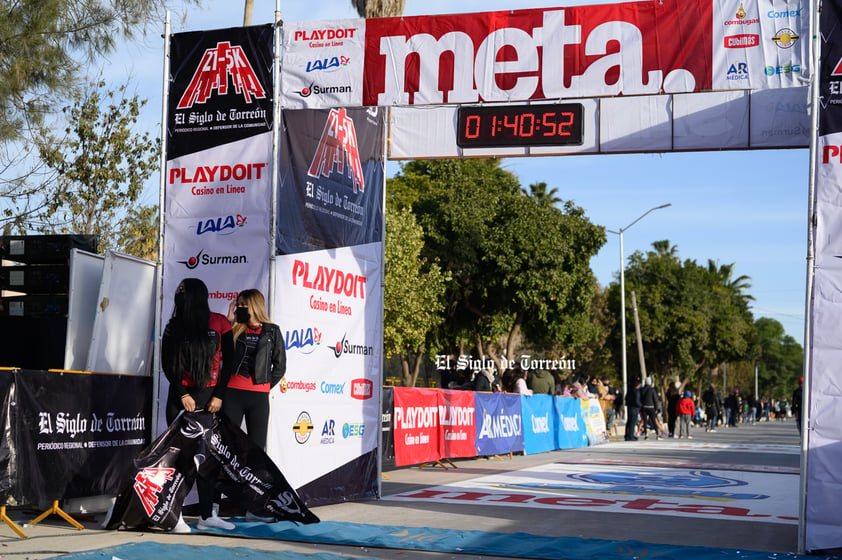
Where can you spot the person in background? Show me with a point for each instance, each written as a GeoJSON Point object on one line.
{"type": "Point", "coordinates": [541, 382]}
{"type": "Point", "coordinates": [650, 403]}
{"type": "Point", "coordinates": [672, 410]}
{"type": "Point", "coordinates": [520, 383]}
{"type": "Point", "coordinates": [259, 364]}
{"type": "Point", "coordinates": [712, 403]}
{"type": "Point", "coordinates": [196, 356]}
{"type": "Point", "coordinates": [797, 397]}
{"type": "Point", "coordinates": [632, 410]}
{"type": "Point", "coordinates": [686, 408]}
{"type": "Point", "coordinates": [607, 396]}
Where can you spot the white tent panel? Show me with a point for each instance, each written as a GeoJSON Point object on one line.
{"type": "Point", "coordinates": [633, 124]}
{"type": "Point", "coordinates": [85, 278]}
{"type": "Point", "coordinates": [711, 121]}
{"type": "Point", "coordinates": [123, 334]}
{"type": "Point", "coordinates": [780, 118]}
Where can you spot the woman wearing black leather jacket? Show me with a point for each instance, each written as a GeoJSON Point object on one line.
{"type": "Point", "coordinates": [259, 365]}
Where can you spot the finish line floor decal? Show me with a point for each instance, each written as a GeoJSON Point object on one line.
{"type": "Point", "coordinates": [697, 493]}
{"type": "Point", "coordinates": [511, 545]}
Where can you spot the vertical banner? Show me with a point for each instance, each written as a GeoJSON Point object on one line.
{"type": "Point", "coordinates": [218, 175]}
{"type": "Point", "coordinates": [325, 414]}
{"type": "Point", "coordinates": [7, 465]}
{"type": "Point", "coordinates": [499, 423]}
{"type": "Point", "coordinates": [416, 426]}
{"type": "Point", "coordinates": [76, 447]}
{"type": "Point", "coordinates": [325, 417]}
{"type": "Point", "coordinates": [457, 423]}
{"type": "Point", "coordinates": [539, 423]}
{"type": "Point", "coordinates": [594, 420]}
{"type": "Point", "coordinates": [824, 434]}
{"type": "Point", "coordinates": [332, 175]}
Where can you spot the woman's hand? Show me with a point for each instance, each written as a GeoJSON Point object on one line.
{"type": "Point", "coordinates": [232, 316]}
{"type": "Point", "coordinates": [188, 403]}
{"type": "Point", "coordinates": [214, 404]}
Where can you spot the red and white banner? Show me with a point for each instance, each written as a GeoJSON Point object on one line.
{"type": "Point", "coordinates": [632, 48]}
{"type": "Point", "coordinates": [416, 422]}
{"type": "Point", "coordinates": [458, 424]}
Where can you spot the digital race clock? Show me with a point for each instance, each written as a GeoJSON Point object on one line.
{"type": "Point", "coordinates": [520, 125]}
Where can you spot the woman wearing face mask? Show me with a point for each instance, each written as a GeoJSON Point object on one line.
{"type": "Point", "coordinates": [196, 356]}
{"type": "Point", "coordinates": [259, 364]}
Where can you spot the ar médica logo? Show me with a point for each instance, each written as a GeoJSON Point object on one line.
{"type": "Point", "coordinates": [338, 147]}
{"type": "Point", "coordinates": [212, 74]}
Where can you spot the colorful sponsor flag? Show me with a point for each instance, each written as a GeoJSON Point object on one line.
{"type": "Point", "coordinates": [539, 423]}
{"type": "Point", "coordinates": [457, 423]}
{"type": "Point", "coordinates": [416, 422]}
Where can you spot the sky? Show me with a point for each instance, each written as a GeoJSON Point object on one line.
{"type": "Point", "coordinates": [748, 208]}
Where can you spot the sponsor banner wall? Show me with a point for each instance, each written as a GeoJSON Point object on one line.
{"type": "Point", "coordinates": [416, 426]}
{"type": "Point", "coordinates": [678, 46]}
{"type": "Point", "coordinates": [539, 423]}
{"type": "Point", "coordinates": [325, 412]}
{"type": "Point", "coordinates": [499, 423]}
{"type": "Point", "coordinates": [457, 423]}
{"type": "Point", "coordinates": [824, 434]}
{"type": "Point", "coordinates": [67, 447]}
{"type": "Point", "coordinates": [332, 175]}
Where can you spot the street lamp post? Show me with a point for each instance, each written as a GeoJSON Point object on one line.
{"type": "Point", "coordinates": [623, 292]}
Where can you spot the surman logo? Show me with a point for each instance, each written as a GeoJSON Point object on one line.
{"type": "Point", "coordinates": [338, 149]}
{"type": "Point", "coordinates": [212, 74]}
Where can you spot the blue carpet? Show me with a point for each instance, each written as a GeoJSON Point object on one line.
{"type": "Point", "coordinates": [521, 545]}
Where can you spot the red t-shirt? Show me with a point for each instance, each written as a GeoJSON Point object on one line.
{"type": "Point", "coordinates": [242, 379]}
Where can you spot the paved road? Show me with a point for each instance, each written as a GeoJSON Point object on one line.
{"type": "Point", "coordinates": [734, 489]}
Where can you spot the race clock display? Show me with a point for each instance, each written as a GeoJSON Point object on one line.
{"type": "Point", "coordinates": [520, 125]}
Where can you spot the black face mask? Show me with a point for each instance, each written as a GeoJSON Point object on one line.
{"type": "Point", "coordinates": [242, 315]}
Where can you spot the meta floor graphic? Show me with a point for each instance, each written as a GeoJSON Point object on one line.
{"type": "Point", "coordinates": [686, 492]}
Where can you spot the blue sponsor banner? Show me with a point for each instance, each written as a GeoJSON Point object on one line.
{"type": "Point", "coordinates": [539, 423]}
{"type": "Point", "coordinates": [571, 428]}
{"type": "Point", "coordinates": [499, 423]}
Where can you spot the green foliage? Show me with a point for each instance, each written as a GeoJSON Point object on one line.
{"type": "Point", "coordinates": [414, 289]}
{"type": "Point", "coordinates": [779, 359]}
{"type": "Point", "coordinates": [519, 266]}
{"type": "Point", "coordinates": [138, 233]}
{"type": "Point", "coordinates": [692, 318]}
{"type": "Point", "coordinates": [45, 43]}
{"type": "Point", "coordinates": [101, 165]}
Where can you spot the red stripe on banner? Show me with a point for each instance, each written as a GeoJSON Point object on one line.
{"type": "Point", "coordinates": [458, 423]}
{"type": "Point", "coordinates": [629, 48]}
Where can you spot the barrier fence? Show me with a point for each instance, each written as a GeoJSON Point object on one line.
{"type": "Point", "coordinates": [431, 425]}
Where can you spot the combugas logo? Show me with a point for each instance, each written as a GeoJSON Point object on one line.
{"type": "Point", "coordinates": [217, 65]}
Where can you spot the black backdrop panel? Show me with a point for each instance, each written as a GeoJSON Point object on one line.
{"type": "Point", "coordinates": [76, 434]}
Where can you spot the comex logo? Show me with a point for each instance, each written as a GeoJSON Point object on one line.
{"type": "Point", "coordinates": [212, 74]}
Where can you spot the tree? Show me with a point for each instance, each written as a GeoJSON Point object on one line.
{"type": "Point", "coordinates": [692, 318]}
{"type": "Point", "coordinates": [542, 194]}
{"type": "Point", "coordinates": [413, 295]}
{"type": "Point", "coordinates": [138, 234]}
{"type": "Point", "coordinates": [44, 45]}
{"type": "Point", "coordinates": [779, 359]}
{"type": "Point", "coordinates": [378, 8]}
{"type": "Point", "coordinates": [519, 269]}
{"type": "Point", "coordinates": [101, 165]}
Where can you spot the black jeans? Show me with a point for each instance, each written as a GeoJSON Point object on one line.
{"type": "Point", "coordinates": [632, 416]}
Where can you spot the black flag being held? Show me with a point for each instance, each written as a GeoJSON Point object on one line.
{"type": "Point", "coordinates": [203, 444]}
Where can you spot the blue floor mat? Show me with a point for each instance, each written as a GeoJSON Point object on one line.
{"type": "Point", "coordinates": [520, 545]}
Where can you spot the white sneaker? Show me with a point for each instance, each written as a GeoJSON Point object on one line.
{"type": "Point", "coordinates": [214, 522]}
{"type": "Point", "coordinates": [181, 526]}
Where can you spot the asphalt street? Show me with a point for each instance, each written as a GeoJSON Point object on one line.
{"type": "Point", "coordinates": [736, 488]}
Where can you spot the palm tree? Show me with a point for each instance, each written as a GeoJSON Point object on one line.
{"type": "Point", "coordinates": [542, 194]}
{"type": "Point", "coordinates": [379, 8]}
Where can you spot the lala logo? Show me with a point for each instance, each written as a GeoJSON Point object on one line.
{"type": "Point", "coordinates": [212, 74]}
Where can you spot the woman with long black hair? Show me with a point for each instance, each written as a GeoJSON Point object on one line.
{"type": "Point", "coordinates": [196, 355]}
